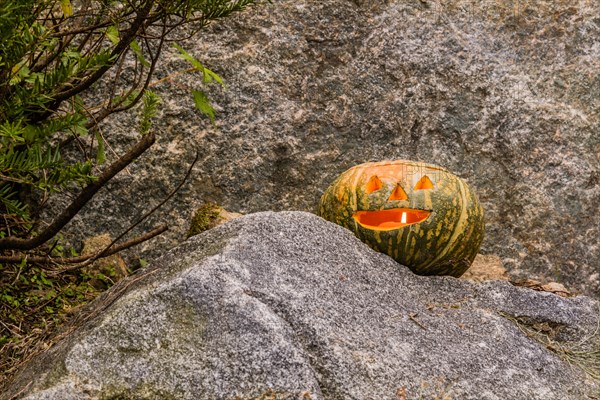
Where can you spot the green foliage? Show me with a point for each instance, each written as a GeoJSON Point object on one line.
{"type": "Point", "coordinates": [52, 52]}
{"type": "Point", "coordinates": [149, 109]}
{"type": "Point", "coordinates": [203, 104]}
{"type": "Point", "coordinates": [208, 75]}
{"type": "Point", "coordinates": [201, 100]}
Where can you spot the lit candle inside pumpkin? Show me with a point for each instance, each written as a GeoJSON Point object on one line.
{"type": "Point", "coordinates": [393, 218]}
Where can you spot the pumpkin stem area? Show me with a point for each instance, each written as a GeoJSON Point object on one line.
{"type": "Point", "coordinates": [387, 220]}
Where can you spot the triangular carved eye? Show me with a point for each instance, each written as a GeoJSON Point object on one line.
{"type": "Point", "coordinates": [424, 183]}
{"type": "Point", "coordinates": [398, 194]}
{"type": "Point", "coordinates": [374, 184]}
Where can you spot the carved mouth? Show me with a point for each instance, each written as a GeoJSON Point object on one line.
{"type": "Point", "coordinates": [387, 220]}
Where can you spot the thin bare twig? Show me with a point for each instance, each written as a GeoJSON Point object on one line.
{"type": "Point", "coordinates": [73, 260]}
{"type": "Point", "coordinates": [109, 250]}
{"type": "Point", "coordinates": [147, 214]}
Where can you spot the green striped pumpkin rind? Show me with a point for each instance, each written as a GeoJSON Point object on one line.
{"type": "Point", "coordinates": [446, 243]}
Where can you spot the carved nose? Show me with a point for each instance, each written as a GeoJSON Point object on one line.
{"type": "Point", "coordinates": [398, 194]}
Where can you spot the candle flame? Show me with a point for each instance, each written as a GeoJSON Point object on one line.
{"type": "Point", "coordinates": [403, 219]}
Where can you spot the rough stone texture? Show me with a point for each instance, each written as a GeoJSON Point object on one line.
{"type": "Point", "coordinates": [504, 94]}
{"type": "Point", "coordinates": [486, 268]}
{"type": "Point", "coordinates": [289, 306]}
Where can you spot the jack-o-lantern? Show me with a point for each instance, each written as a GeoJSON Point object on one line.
{"type": "Point", "coordinates": [421, 215]}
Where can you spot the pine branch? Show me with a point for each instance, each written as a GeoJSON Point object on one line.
{"type": "Point", "coordinates": [74, 88]}
{"type": "Point", "coordinates": [86, 195]}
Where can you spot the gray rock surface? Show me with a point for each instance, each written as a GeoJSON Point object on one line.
{"type": "Point", "coordinates": [504, 94]}
{"type": "Point", "coordinates": [289, 306]}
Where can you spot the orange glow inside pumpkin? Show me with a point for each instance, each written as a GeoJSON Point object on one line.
{"type": "Point", "coordinates": [424, 183]}
{"type": "Point", "coordinates": [387, 220]}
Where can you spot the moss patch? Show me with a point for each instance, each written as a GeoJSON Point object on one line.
{"type": "Point", "coordinates": [206, 217]}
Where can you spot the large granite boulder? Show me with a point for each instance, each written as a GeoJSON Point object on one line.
{"type": "Point", "coordinates": [504, 94]}
{"type": "Point", "coordinates": [289, 306]}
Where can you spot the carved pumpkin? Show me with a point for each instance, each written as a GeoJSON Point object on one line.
{"type": "Point", "coordinates": [421, 215]}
